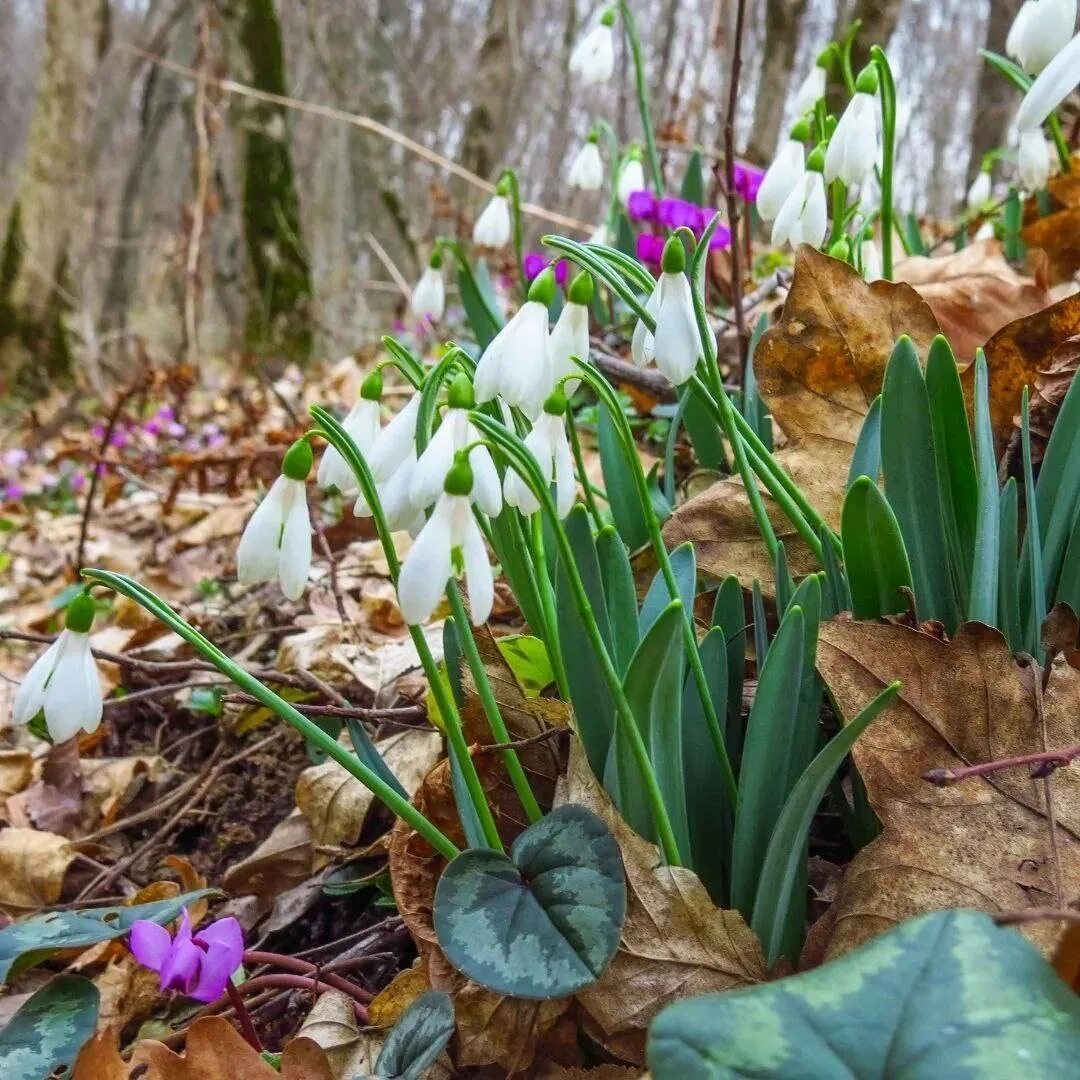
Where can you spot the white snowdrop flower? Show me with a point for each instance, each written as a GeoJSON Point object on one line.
{"type": "Point", "coordinates": [391, 462]}
{"type": "Point", "coordinates": [548, 444]}
{"type": "Point", "coordinates": [63, 681]}
{"type": "Point", "coordinates": [985, 231]}
{"type": "Point", "coordinates": [452, 436]}
{"type": "Point", "coordinates": [587, 169]}
{"type": "Point", "coordinates": [853, 148]}
{"type": "Point", "coordinates": [429, 565]}
{"type": "Point", "coordinates": [493, 228]}
{"type": "Point", "coordinates": [631, 179]}
{"type": "Point", "coordinates": [979, 193]}
{"type": "Point", "coordinates": [570, 334]}
{"type": "Point", "coordinates": [813, 87]}
{"type": "Point", "coordinates": [515, 365]}
{"type": "Point", "coordinates": [362, 423]}
{"type": "Point", "coordinates": [277, 538]}
{"type": "Point", "coordinates": [593, 58]}
{"type": "Point", "coordinates": [871, 260]}
{"type": "Point", "coordinates": [1055, 83]}
{"type": "Point", "coordinates": [642, 343]}
{"type": "Point", "coordinates": [1046, 29]}
{"type": "Point", "coordinates": [599, 235]}
{"type": "Point", "coordinates": [429, 294]}
{"type": "Point", "coordinates": [804, 217]}
{"type": "Point", "coordinates": [1034, 160]}
{"type": "Point", "coordinates": [1014, 40]}
{"type": "Point", "coordinates": [784, 173]}
{"type": "Point", "coordinates": [677, 346]}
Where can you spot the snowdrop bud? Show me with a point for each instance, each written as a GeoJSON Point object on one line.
{"type": "Point", "coordinates": [593, 58]}
{"type": "Point", "coordinates": [362, 425]}
{"type": "Point", "coordinates": [804, 217]}
{"type": "Point", "coordinates": [871, 260]}
{"type": "Point", "coordinates": [1034, 160]}
{"type": "Point", "coordinates": [631, 178]}
{"type": "Point", "coordinates": [1013, 43]}
{"type": "Point", "coordinates": [493, 228]}
{"type": "Point", "coordinates": [63, 681]}
{"type": "Point", "coordinates": [814, 85]}
{"type": "Point", "coordinates": [570, 334]}
{"type": "Point", "coordinates": [782, 175]}
{"type": "Point", "coordinates": [677, 345]}
{"type": "Point", "coordinates": [429, 295]}
{"type": "Point", "coordinates": [587, 169]}
{"type": "Point", "coordinates": [853, 146]}
{"type": "Point", "coordinates": [1057, 80]}
{"type": "Point", "coordinates": [548, 444]}
{"type": "Point", "coordinates": [1046, 28]}
{"type": "Point", "coordinates": [979, 192]}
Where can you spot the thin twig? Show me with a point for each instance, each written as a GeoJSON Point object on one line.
{"type": "Point", "coordinates": [1036, 914]}
{"type": "Point", "coordinates": [403, 713]}
{"type": "Point", "coordinates": [1045, 763]}
{"type": "Point", "coordinates": [1048, 794]}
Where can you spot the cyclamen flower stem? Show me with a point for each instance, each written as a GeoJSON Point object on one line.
{"type": "Point", "coordinates": [583, 476]}
{"type": "Point", "coordinates": [243, 1017]}
{"type": "Point", "coordinates": [887, 89]}
{"type": "Point", "coordinates": [521, 460]}
{"type": "Point", "coordinates": [490, 706]}
{"type": "Point", "coordinates": [311, 731]}
{"type": "Point", "coordinates": [632, 36]}
{"type": "Point", "coordinates": [339, 438]}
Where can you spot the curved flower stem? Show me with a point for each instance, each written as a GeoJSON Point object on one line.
{"type": "Point", "coordinates": [490, 705]}
{"type": "Point", "coordinates": [616, 167]}
{"type": "Point", "coordinates": [311, 731]}
{"type": "Point", "coordinates": [466, 270]}
{"type": "Point", "coordinates": [888, 124]}
{"type": "Point", "coordinates": [243, 1017]}
{"type": "Point", "coordinates": [1060, 145]}
{"type": "Point", "coordinates": [521, 460]}
{"type": "Point", "coordinates": [693, 656]}
{"type": "Point", "coordinates": [583, 476]}
{"type": "Point", "coordinates": [586, 258]}
{"type": "Point", "coordinates": [515, 216]}
{"type": "Point", "coordinates": [404, 361]}
{"type": "Point", "coordinates": [632, 36]}
{"type": "Point", "coordinates": [343, 442]}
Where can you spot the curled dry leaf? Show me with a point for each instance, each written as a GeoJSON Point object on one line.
{"type": "Point", "coordinates": [54, 801]}
{"type": "Point", "coordinates": [818, 370]}
{"type": "Point", "coordinates": [32, 868]}
{"type": "Point", "coordinates": [983, 842]}
{"type": "Point", "coordinates": [282, 861]}
{"type": "Point", "coordinates": [675, 941]}
{"type": "Point", "coordinates": [1058, 234]}
{"type": "Point", "coordinates": [331, 1025]}
{"type": "Point", "coordinates": [404, 988]}
{"type": "Point", "coordinates": [111, 783]}
{"type": "Point", "coordinates": [16, 772]}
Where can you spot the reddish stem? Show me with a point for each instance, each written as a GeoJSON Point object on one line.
{"type": "Point", "coordinates": [1045, 762]}
{"type": "Point", "coordinates": [247, 1027]}
{"type": "Point", "coordinates": [299, 982]}
{"type": "Point", "coordinates": [304, 967]}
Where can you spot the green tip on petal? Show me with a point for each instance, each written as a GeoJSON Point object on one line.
{"type": "Point", "coordinates": [556, 403]}
{"type": "Point", "coordinates": [608, 18]}
{"type": "Point", "coordinates": [371, 388]}
{"type": "Point", "coordinates": [459, 480]}
{"type": "Point", "coordinates": [581, 289]}
{"type": "Point", "coordinates": [593, 137]}
{"type": "Point", "coordinates": [461, 395]}
{"type": "Point", "coordinates": [435, 262]}
{"type": "Point", "coordinates": [503, 186]}
{"type": "Point", "coordinates": [825, 57]}
{"type": "Point", "coordinates": [841, 250]}
{"type": "Point", "coordinates": [296, 464]}
{"type": "Point", "coordinates": [801, 131]}
{"type": "Point", "coordinates": [816, 161]}
{"type": "Point", "coordinates": [80, 614]}
{"type": "Point", "coordinates": [542, 289]}
{"type": "Point", "coordinates": [867, 82]}
{"type": "Point", "coordinates": [674, 257]}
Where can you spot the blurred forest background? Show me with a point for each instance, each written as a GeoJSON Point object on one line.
{"type": "Point", "coordinates": [147, 213]}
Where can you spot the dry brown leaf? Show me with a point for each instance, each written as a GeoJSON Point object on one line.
{"type": "Point", "coordinates": [100, 1059]}
{"type": "Point", "coordinates": [331, 1025]}
{"type": "Point", "coordinates": [336, 803]}
{"type": "Point", "coordinates": [16, 772]}
{"type": "Point", "coordinates": [675, 942]}
{"type": "Point", "coordinates": [32, 868]}
{"type": "Point", "coordinates": [1058, 234]}
{"type": "Point", "coordinates": [128, 992]}
{"type": "Point", "coordinates": [282, 861]}
{"type": "Point", "coordinates": [111, 783]}
{"type": "Point", "coordinates": [973, 293]}
{"type": "Point", "coordinates": [980, 843]}
{"type": "Point", "coordinates": [404, 988]}
{"type": "Point", "coordinates": [818, 370]}
{"type": "Point", "coordinates": [53, 802]}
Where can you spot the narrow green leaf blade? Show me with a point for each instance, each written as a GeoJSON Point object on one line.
{"type": "Point", "coordinates": [866, 461]}
{"type": "Point", "coordinates": [875, 559]}
{"type": "Point", "coordinates": [983, 602]}
{"type": "Point", "coordinates": [626, 510]}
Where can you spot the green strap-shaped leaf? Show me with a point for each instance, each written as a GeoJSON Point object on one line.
{"type": "Point", "coordinates": [542, 922]}
{"type": "Point", "coordinates": [729, 616]}
{"type": "Point", "coordinates": [418, 1038]}
{"type": "Point", "coordinates": [837, 595]}
{"type": "Point", "coordinates": [754, 408]}
{"type": "Point", "coordinates": [684, 567]}
{"type": "Point", "coordinates": [1068, 590]}
{"type": "Point", "coordinates": [43, 1039]}
{"type": "Point", "coordinates": [693, 184]}
{"type": "Point", "coordinates": [874, 555]}
{"type": "Point", "coordinates": [911, 484]}
{"type": "Point", "coordinates": [950, 994]}
{"type": "Point", "coordinates": [1033, 548]}
{"type": "Point", "coordinates": [704, 433]}
{"type": "Point", "coordinates": [986, 564]}
{"type": "Point", "coordinates": [784, 585]}
{"type": "Point", "coordinates": [1008, 570]}
{"type": "Point", "coordinates": [620, 595]}
{"type": "Point", "coordinates": [511, 549]}
{"type": "Point", "coordinates": [478, 300]}
{"type": "Point", "coordinates": [619, 484]}
{"type": "Point", "coordinates": [866, 461]}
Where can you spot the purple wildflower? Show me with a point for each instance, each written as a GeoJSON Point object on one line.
{"type": "Point", "coordinates": [78, 481]}
{"type": "Point", "coordinates": [98, 431]}
{"type": "Point", "coordinates": [650, 249]}
{"type": "Point", "coordinates": [748, 179]}
{"type": "Point", "coordinates": [721, 238]}
{"type": "Point", "coordinates": [13, 492]}
{"type": "Point", "coordinates": [198, 965]}
{"type": "Point", "coordinates": [676, 213]}
{"type": "Point", "coordinates": [15, 458]}
{"type": "Point", "coordinates": [533, 264]}
{"type": "Point", "coordinates": [152, 427]}
{"type": "Point", "coordinates": [641, 206]}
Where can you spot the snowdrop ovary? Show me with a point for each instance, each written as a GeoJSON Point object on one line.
{"type": "Point", "coordinates": [362, 425]}
{"type": "Point", "coordinates": [549, 445]}
{"type": "Point", "coordinates": [593, 58]}
{"type": "Point", "coordinates": [63, 681]}
{"type": "Point", "coordinates": [677, 346]}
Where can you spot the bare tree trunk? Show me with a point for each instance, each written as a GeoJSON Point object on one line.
{"type": "Point", "coordinates": [487, 122]}
{"type": "Point", "coordinates": [783, 19]}
{"type": "Point", "coordinates": [34, 342]}
{"type": "Point", "coordinates": [996, 97]}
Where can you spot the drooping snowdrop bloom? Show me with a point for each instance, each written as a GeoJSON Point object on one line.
{"type": "Point", "coordinates": [429, 564]}
{"type": "Point", "coordinates": [593, 58]}
{"type": "Point", "coordinates": [1034, 160]}
{"type": "Point", "coordinates": [548, 444]}
{"type": "Point", "coordinates": [587, 169]}
{"type": "Point", "coordinates": [493, 228]}
{"type": "Point", "coordinates": [631, 177]}
{"type": "Point", "coordinates": [392, 461]}
{"type": "Point", "coordinates": [1015, 38]}
{"type": "Point", "coordinates": [676, 344]}
{"type": "Point", "coordinates": [453, 435]}
{"type": "Point", "coordinates": [570, 334]}
{"type": "Point", "coordinates": [362, 423]}
{"type": "Point", "coordinates": [853, 148]}
{"type": "Point", "coordinates": [1046, 28]}
{"type": "Point", "coordinates": [979, 193]}
{"type": "Point", "coordinates": [804, 217]}
{"type": "Point", "coordinates": [63, 681]}
{"type": "Point", "coordinates": [198, 965]}
{"type": "Point", "coordinates": [277, 538]}
{"type": "Point", "coordinates": [784, 173]}
{"type": "Point", "coordinates": [871, 260]}
{"type": "Point", "coordinates": [429, 295]}
{"type": "Point", "coordinates": [814, 85]}
{"type": "Point", "coordinates": [1056, 82]}
{"type": "Point", "coordinates": [515, 365]}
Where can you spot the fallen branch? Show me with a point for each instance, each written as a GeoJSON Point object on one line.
{"type": "Point", "coordinates": [1045, 763]}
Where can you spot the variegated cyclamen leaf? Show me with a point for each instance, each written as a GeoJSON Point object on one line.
{"type": "Point", "coordinates": [44, 1037]}
{"type": "Point", "coordinates": [418, 1038]}
{"type": "Point", "coordinates": [947, 994]}
{"type": "Point", "coordinates": [542, 922]}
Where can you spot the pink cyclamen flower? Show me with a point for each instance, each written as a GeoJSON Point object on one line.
{"type": "Point", "coordinates": [721, 238]}
{"type": "Point", "coordinates": [641, 206]}
{"type": "Point", "coordinates": [650, 249]}
{"type": "Point", "coordinates": [534, 263]}
{"type": "Point", "coordinates": [748, 180]}
{"type": "Point", "coordinates": [676, 213]}
{"type": "Point", "coordinates": [198, 965]}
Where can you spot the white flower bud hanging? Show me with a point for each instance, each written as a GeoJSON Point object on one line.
{"type": "Point", "coordinates": [1045, 29]}
{"type": "Point", "coordinates": [804, 217]}
{"type": "Point", "coordinates": [1055, 83]}
{"type": "Point", "coordinates": [813, 87]}
{"type": "Point", "coordinates": [587, 168]}
{"type": "Point", "coordinates": [392, 461]}
{"type": "Point", "coordinates": [429, 296]}
{"type": "Point", "coordinates": [853, 148]}
{"type": "Point", "coordinates": [979, 193]}
{"type": "Point", "coordinates": [784, 173]}
{"type": "Point", "coordinates": [494, 228]}
{"type": "Point", "coordinates": [631, 178]}
{"type": "Point", "coordinates": [1034, 160]}
{"type": "Point", "coordinates": [593, 58]}
{"type": "Point", "coordinates": [548, 444]}
{"type": "Point", "coordinates": [677, 346]}
{"type": "Point", "coordinates": [570, 335]}
{"type": "Point", "coordinates": [362, 424]}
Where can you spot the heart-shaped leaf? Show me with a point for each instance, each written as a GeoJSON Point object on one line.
{"type": "Point", "coordinates": [418, 1037]}
{"type": "Point", "coordinates": [947, 994]}
{"type": "Point", "coordinates": [29, 942]}
{"type": "Point", "coordinates": [542, 922]}
{"type": "Point", "coordinates": [44, 1037]}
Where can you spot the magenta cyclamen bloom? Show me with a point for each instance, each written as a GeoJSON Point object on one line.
{"type": "Point", "coordinates": [721, 238]}
{"type": "Point", "coordinates": [677, 213]}
{"type": "Point", "coordinates": [198, 965]}
{"type": "Point", "coordinates": [534, 264]}
{"type": "Point", "coordinates": [641, 206]}
{"type": "Point", "coordinates": [650, 249]}
{"type": "Point", "coordinates": [748, 180]}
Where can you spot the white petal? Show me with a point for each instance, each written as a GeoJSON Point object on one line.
{"type": "Point", "coordinates": [1058, 79]}
{"type": "Point", "coordinates": [493, 227]}
{"type": "Point", "coordinates": [397, 507]}
{"type": "Point", "coordinates": [486, 492]}
{"type": "Point", "coordinates": [394, 442]}
{"type": "Point", "coordinates": [780, 178]}
{"type": "Point", "coordinates": [677, 344]}
{"type": "Point", "coordinates": [295, 542]}
{"type": "Point", "coordinates": [1034, 160]}
{"type": "Point", "coordinates": [479, 581]}
{"type": "Point", "coordinates": [434, 463]}
{"type": "Point", "coordinates": [72, 700]}
{"type": "Point", "coordinates": [871, 260]}
{"type": "Point", "coordinates": [853, 147]}
{"type": "Point", "coordinates": [642, 344]}
{"type": "Point", "coordinates": [519, 370]}
{"type": "Point", "coordinates": [1016, 31]}
{"type": "Point", "coordinates": [31, 691]}
{"type": "Point", "coordinates": [429, 296]}
{"type": "Point", "coordinates": [257, 555]}
{"type": "Point", "coordinates": [979, 192]}
{"type": "Point", "coordinates": [1047, 27]}
{"type": "Point", "coordinates": [593, 58]}
{"type": "Point", "coordinates": [811, 89]}
{"type": "Point", "coordinates": [427, 566]}
{"type": "Point", "coordinates": [631, 179]}
{"type": "Point", "coordinates": [518, 494]}
{"type": "Point", "coordinates": [565, 482]}
{"type": "Point", "coordinates": [569, 337]}
{"type": "Point", "coordinates": [587, 168]}
{"type": "Point", "coordinates": [362, 424]}
{"type": "Point", "coordinates": [815, 217]}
